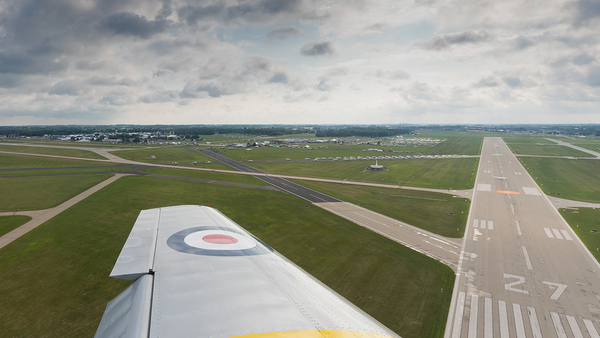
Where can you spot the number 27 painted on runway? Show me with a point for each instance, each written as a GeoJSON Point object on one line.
{"type": "Point", "coordinates": [560, 288]}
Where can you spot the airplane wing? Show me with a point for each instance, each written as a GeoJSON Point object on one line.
{"type": "Point", "coordinates": [199, 274]}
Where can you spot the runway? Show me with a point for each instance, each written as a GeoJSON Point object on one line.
{"type": "Point", "coordinates": [522, 272]}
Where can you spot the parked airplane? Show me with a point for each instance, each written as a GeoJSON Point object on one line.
{"type": "Point", "coordinates": [199, 274]}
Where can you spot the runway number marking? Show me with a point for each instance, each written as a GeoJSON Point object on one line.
{"type": "Point", "coordinates": [509, 286]}
{"type": "Point", "coordinates": [560, 288]}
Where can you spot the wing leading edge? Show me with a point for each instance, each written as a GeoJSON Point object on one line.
{"type": "Point", "coordinates": [199, 274]}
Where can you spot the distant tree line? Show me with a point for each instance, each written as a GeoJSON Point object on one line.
{"type": "Point", "coordinates": [363, 132]}
{"type": "Point", "coordinates": [163, 129]}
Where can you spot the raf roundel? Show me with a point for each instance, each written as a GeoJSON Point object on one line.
{"type": "Point", "coordinates": [216, 241]}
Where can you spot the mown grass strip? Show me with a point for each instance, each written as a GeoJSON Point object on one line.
{"type": "Point", "coordinates": [586, 224]}
{"type": "Point", "coordinates": [42, 192]}
{"type": "Point", "coordinates": [545, 150]}
{"type": "Point", "coordinates": [54, 280]}
{"type": "Point", "coordinates": [244, 179]}
{"type": "Point", "coordinates": [9, 161]}
{"type": "Point", "coordinates": [448, 173]}
{"type": "Point", "coordinates": [10, 223]}
{"type": "Point", "coordinates": [439, 213]}
{"type": "Point", "coordinates": [51, 151]}
{"type": "Point", "coordinates": [565, 178]}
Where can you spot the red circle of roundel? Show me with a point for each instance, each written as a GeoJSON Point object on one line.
{"type": "Point", "coordinates": [219, 239]}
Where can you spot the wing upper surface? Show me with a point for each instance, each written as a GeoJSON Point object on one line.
{"type": "Point", "coordinates": [212, 278]}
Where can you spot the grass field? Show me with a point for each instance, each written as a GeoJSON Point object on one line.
{"type": "Point", "coordinates": [9, 223]}
{"type": "Point", "coordinates": [527, 139]}
{"type": "Point", "coordinates": [583, 222]}
{"type": "Point", "coordinates": [8, 161]}
{"type": "Point", "coordinates": [451, 173]}
{"type": "Point", "coordinates": [54, 280]}
{"type": "Point", "coordinates": [244, 179]}
{"type": "Point", "coordinates": [51, 151]}
{"type": "Point", "coordinates": [37, 193]}
{"type": "Point", "coordinates": [545, 150]}
{"type": "Point", "coordinates": [63, 171]}
{"type": "Point", "coordinates": [457, 143]}
{"type": "Point", "coordinates": [435, 212]}
{"type": "Point", "coordinates": [571, 179]}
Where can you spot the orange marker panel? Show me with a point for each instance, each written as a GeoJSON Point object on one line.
{"type": "Point", "coordinates": [508, 192]}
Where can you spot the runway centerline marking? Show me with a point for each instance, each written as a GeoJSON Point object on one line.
{"type": "Point", "coordinates": [518, 228]}
{"type": "Point", "coordinates": [527, 259]}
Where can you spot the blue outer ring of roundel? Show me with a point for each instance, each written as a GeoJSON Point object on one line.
{"type": "Point", "coordinates": [177, 243]}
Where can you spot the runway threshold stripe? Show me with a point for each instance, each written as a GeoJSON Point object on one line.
{"type": "Point", "coordinates": [589, 325]}
{"type": "Point", "coordinates": [557, 233]}
{"type": "Point", "coordinates": [503, 319]}
{"type": "Point", "coordinates": [574, 327]}
{"type": "Point", "coordinates": [488, 329]}
{"type": "Point", "coordinates": [473, 316]}
{"type": "Point", "coordinates": [490, 225]}
{"type": "Point", "coordinates": [475, 223]}
{"type": "Point", "coordinates": [548, 233]}
{"type": "Point", "coordinates": [558, 327]}
{"type": "Point", "coordinates": [566, 234]}
{"type": "Point", "coordinates": [482, 224]}
{"type": "Point", "coordinates": [458, 317]}
{"type": "Point", "coordinates": [533, 321]}
{"type": "Point", "coordinates": [519, 326]}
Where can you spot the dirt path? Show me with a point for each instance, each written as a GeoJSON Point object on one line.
{"type": "Point", "coordinates": [41, 216]}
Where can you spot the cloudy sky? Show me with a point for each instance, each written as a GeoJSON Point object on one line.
{"type": "Point", "coordinates": [295, 61]}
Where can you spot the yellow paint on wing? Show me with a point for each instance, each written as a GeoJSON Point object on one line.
{"type": "Point", "coordinates": [315, 334]}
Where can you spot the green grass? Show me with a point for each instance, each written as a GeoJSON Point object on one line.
{"type": "Point", "coordinates": [451, 173]}
{"type": "Point", "coordinates": [571, 179]}
{"type": "Point", "coordinates": [459, 143]}
{"type": "Point", "coordinates": [9, 161]}
{"type": "Point", "coordinates": [244, 179]}
{"type": "Point", "coordinates": [37, 193]}
{"type": "Point", "coordinates": [583, 222]}
{"type": "Point", "coordinates": [439, 213]}
{"type": "Point", "coordinates": [41, 172]}
{"type": "Point", "coordinates": [54, 280]}
{"type": "Point", "coordinates": [51, 151]}
{"type": "Point", "coordinates": [527, 138]}
{"type": "Point", "coordinates": [9, 223]}
{"type": "Point", "coordinates": [545, 150]}
{"type": "Point", "coordinates": [168, 156]}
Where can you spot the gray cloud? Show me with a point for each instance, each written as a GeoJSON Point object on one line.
{"type": "Point", "coordinates": [445, 41]}
{"type": "Point", "coordinates": [489, 81]}
{"type": "Point", "coordinates": [392, 75]}
{"type": "Point", "coordinates": [19, 63]}
{"type": "Point", "coordinates": [66, 87]}
{"type": "Point", "coordinates": [160, 96]}
{"type": "Point", "coordinates": [586, 10]}
{"type": "Point", "coordinates": [279, 77]}
{"type": "Point", "coordinates": [283, 33]}
{"type": "Point", "coordinates": [318, 48]}
{"type": "Point", "coordinates": [128, 23]}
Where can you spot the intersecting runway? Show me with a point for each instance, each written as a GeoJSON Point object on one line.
{"type": "Point", "coordinates": [522, 271]}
